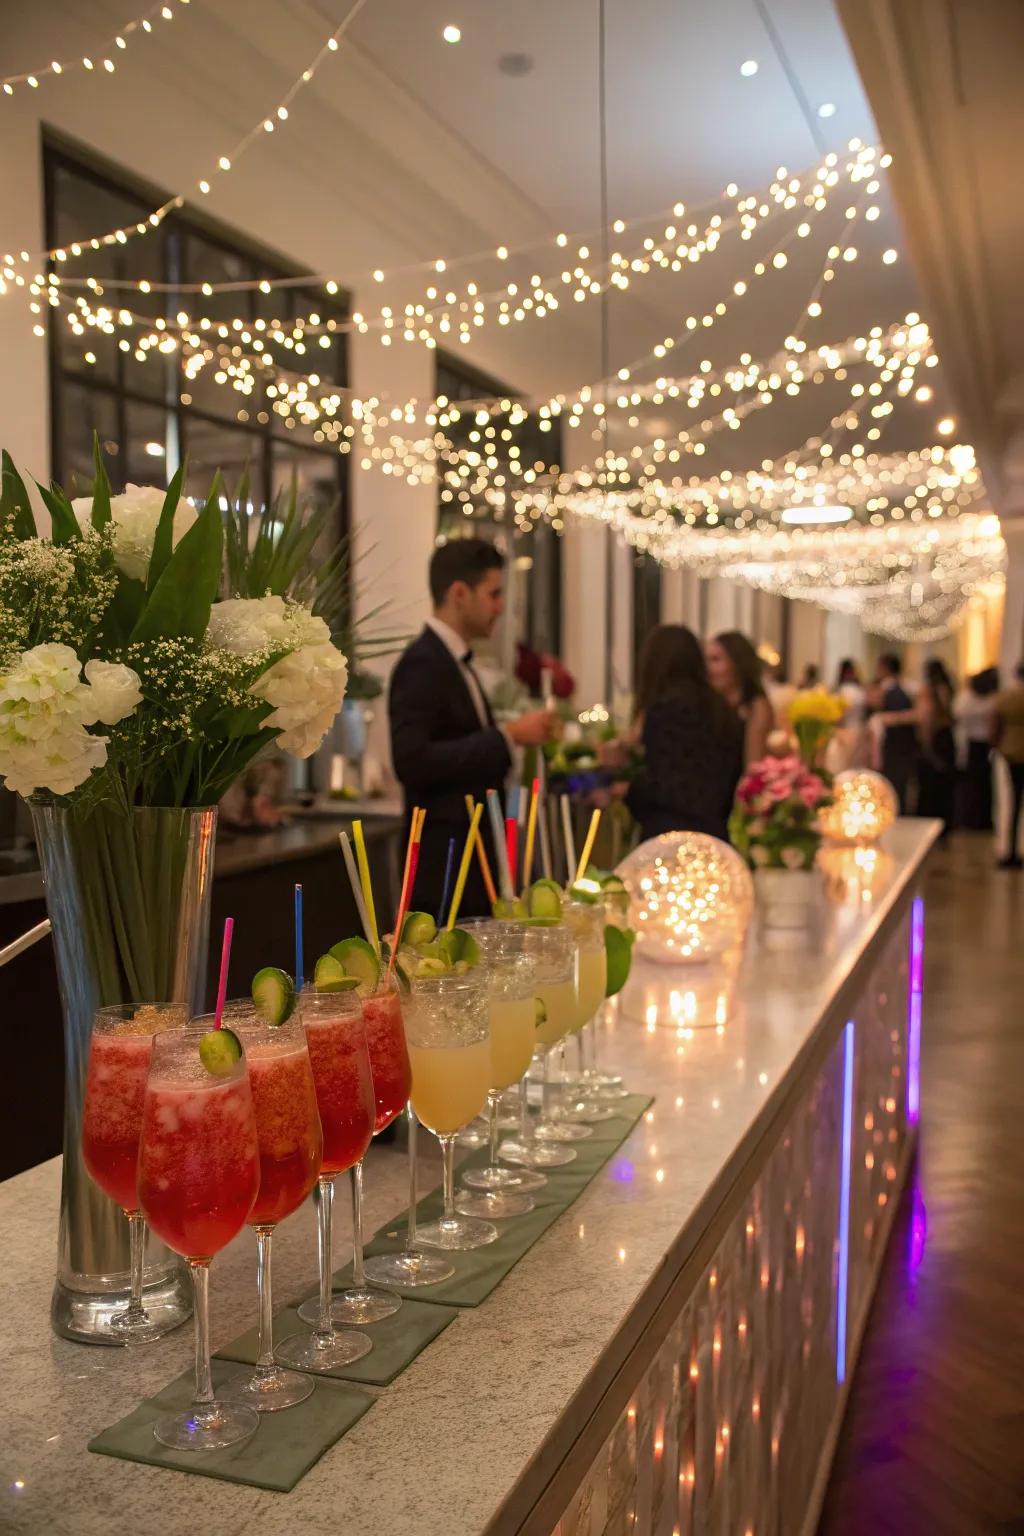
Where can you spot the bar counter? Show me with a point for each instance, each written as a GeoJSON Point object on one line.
{"type": "Point", "coordinates": [672, 1355]}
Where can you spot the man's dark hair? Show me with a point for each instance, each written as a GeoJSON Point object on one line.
{"type": "Point", "coordinates": [891, 663]}
{"type": "Point", "coordinates": [466, 560]}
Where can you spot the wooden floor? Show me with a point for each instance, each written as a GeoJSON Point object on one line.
{"type": "Point", "coordinates": [933, 1440]}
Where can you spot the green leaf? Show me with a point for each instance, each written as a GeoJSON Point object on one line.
{"type": "Point", "coordinates": [163, 539]}
{"type": "Point", "coordinates": [100, 487]}
{"type": "Point", "coordinates": [179, 605]}
{"type": "Point", "coordinates": [64, 523]}
{"type": "Point", "coordinates": [15, 506]}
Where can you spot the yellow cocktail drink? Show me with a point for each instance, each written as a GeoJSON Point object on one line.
{"type": "Point", "coordinates": [449, 1084]}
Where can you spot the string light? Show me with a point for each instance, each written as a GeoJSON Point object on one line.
{"type": "Point", "coordinates": [155, 218]}
{"type": "Point", "coordinates": [105, 54]}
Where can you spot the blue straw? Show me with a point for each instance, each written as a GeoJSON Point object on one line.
{"type": "Point", "coordinates": [299, 978]}
{"type": "Point", "coordinates": [442, 916]}
{"type": "Point", "coordinates": [512, 804]}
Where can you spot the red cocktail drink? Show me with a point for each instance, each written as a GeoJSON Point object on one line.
{"type": "Point", "coordinates": [389, 1058]}
{"type": "Point", "coordinates": [115, 1087]}
{"type": "Point", "coordinates": [287, 1125]}
{"type": "Point", "coordinates": [344, 1089]}
{"type": "Point", "coordinates": [199, 1167]}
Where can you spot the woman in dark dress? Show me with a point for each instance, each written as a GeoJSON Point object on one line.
{"type": "Point", "coordinates": [936, 768]}
{"type": "Point", "coordinates": [692, 741]}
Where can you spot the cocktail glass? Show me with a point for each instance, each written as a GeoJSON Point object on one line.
{"type": "Point", "coordinates": [336, 1040]}
{"type": "Point", "coordinates": [413, 1267]}
{"type": "Point", "coordinates": [291, 1149]}
{"type": "Point", "coordinates": [199, 1175]}
{"type": "Point", "coordinates": [554, 954]}
{"type": "Point", "coordinates": [115, 1088]}
{"type": "Point", "coordinates": [496, 1191]}
{"type": "Point", "coordinates": [586, 919]}
{"type": "Point", "coordinates": [392, 1078]}
{"type": "Point", "coordinates": [450, 1052]}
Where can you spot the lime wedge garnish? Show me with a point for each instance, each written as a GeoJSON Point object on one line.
{"type": "Point", "coordinates": [329, 976]}
{"type": "Point", "coordinates": [418, 928]}
{"type": "Point", "coordinates": [273, 992]}
{"type": "Point", "coordinates": [358, 958]}
{"type": "Point", "coordinates": [459, 948]}
{"type": "Point", "coordinates": [509, 910]}
{"type": "Point", "coordinates": [220, 1050]}
{"type": "Point", "coordinates": [429, 966]}
{"type": "Point", "coordinates": [545, 900]}
{"type": "Point", "coordinates": [618, 948]}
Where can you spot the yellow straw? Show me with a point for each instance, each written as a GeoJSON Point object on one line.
{"type": "Point", "coordinates": [531, 833]}
{"type": "Point", "coordinates": [364, 881]}
{"type": "Point", "coordinates": [467, 854]}
{"type": "Point", "coordinates": [588, 846]}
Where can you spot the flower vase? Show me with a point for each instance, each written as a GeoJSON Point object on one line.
{"type": "Point", "coordinates": [788, 904]}
{"type": "Point", "coordinates": [128, 895]}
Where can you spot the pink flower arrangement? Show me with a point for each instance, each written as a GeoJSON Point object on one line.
{"type": "Point", "coordinates": [774, 821]}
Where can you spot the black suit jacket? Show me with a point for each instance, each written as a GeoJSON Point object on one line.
{"type": "Point", "coordinates": [441, 754]}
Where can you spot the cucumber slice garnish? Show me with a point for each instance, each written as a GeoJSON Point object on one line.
{"type": "Point", "coordinates": [509, 911]}
{"type": "Point", "coordinates": [545, 901]}
{"type": "Point", "coordinates": [612, 883]}
{"type": "Point", "coordinates": [540, 1013]}
{"type": "Point", "coordinates": [418, 928]}
{"type": "Point", "coordinates": [586, 890]}
{"type": "Point", "coordinates": [618, 948]}
{"type": "Point", "coordinates": [220, 1051]}
{"type": "Point", "coordinates": [359, 959]}
{"type": "Point", "coordinates": [273, 992]}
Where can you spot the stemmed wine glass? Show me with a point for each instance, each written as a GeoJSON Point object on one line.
{"type": "Point", "coordinates": [554, 954]}
{"type": "Point", "coordinates": [510, 976]}
{"type": "Point", "coordinates": [586, 921]}
{"type": "Point", "coordinates": [392, 1077]}
{"type": "Point", "coordinates": [115, 1086]}
{"type": "Point", "coordinates": [199, 1175]}
{"type": "Point", "coordinates": [450, 1051]}
{"type": "Point", "coordinates": [336, 1040]}
{"type": "Point", "coordinates": [291, 1148]}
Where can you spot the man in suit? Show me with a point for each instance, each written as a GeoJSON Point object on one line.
{"type": "Point", "coordinates": [445, 744]}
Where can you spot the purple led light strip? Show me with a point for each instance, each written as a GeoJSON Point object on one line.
{"type": "Point", "coordinates": [844, 1202]}
{"type": "Point", "coordinates": [914, 993]}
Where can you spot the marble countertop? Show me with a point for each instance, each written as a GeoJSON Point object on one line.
{"type": "Point", "coordinates": [448, 1441]}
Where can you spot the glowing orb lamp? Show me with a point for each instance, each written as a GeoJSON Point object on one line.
{"type": "Point", "coordinates": [690, 897]}
{"type": "Point", "coordinates": [864, 805]}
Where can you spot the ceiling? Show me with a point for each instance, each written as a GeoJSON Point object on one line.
{"type": "Point", "coordinates": [413, 148]}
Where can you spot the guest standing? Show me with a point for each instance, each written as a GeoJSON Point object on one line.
{"type": "Point", "coordinates": [1008, 736]}
{"type": "Point", "coordinates": [692, 741]}
{"type": "Point", "coordinates": [898, 755]}
{"type": "Point", "coordinates": [974, 713]}
{"type": "Point", "coordinates": [936, 768]}
{"type": "Point", "coordinates": [848, 747]}
{"type": "Point", "coordinates": [734, 669]}
{"type": "Point", "coordinates": [445, 744]}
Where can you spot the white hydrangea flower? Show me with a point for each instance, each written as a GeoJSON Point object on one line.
{"type": "Point", "coordinates": [115, 690]}
{"type": "Point", "coordinates": [134, 515]}
{"type": "Point", "coordinates": [306, 690]}
{"type": "Point", "coordinates": [44, 711]}
{"type": "Point", "coordinates": [247, 624]}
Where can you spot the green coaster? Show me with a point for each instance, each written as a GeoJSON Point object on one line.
{"type": "Point", "coordinates": [397, 1340]}
{"type": "Point", "coordinates": [480, 1270]}
{"type": "Point", "coordinates": [281, 1451]}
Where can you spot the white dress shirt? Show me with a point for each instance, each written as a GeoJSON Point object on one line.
{"type": "Point", "coordinates": [458, 647]}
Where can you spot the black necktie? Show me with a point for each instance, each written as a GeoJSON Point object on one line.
{"type": "Point", "coordinates": [467, 662]}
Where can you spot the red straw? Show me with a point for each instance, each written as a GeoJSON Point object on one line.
{"type": "Point", "coordinates": [222, 985]}
{"type": "Point", "coordinates": [512, 846]}
{"type": "Point", "coordinates": [412, 859]}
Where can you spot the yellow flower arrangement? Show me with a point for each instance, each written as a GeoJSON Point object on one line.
{"type": "Point", "coordinates": [819, 705]}
{"type": "Point", "coordinates": [814, 715]}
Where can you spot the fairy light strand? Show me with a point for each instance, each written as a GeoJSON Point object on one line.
{"type": "Point", "coordinates": [100, 60]}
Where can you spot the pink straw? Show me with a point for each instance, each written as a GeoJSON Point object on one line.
{"type": "Point", "coordinates": [222, 985]}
